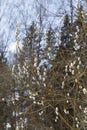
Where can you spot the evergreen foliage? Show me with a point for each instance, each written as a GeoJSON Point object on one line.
{"type": "Point", "coordinates": [46, 88]}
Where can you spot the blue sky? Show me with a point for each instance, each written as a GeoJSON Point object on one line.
{"type": "Point", "coordinates": [23, 12]}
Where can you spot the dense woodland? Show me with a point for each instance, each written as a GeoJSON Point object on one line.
{"type": "Point", "coordinates": [45, 87]}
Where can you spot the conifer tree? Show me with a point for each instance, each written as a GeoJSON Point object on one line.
{"type": "Point", "coordinates": [5, 82]}
{"type": "Point", "coordinates": [51, 43]}
{"type": "Point", "coordinates": [26, 74]}
{"type": "Point", "coordinates": [66, 84]}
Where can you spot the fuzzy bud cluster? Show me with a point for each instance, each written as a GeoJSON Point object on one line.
{"type": "Point", "coordinates": [76, 38]}
{"type": "Point", "coordinates": [56, 112]}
